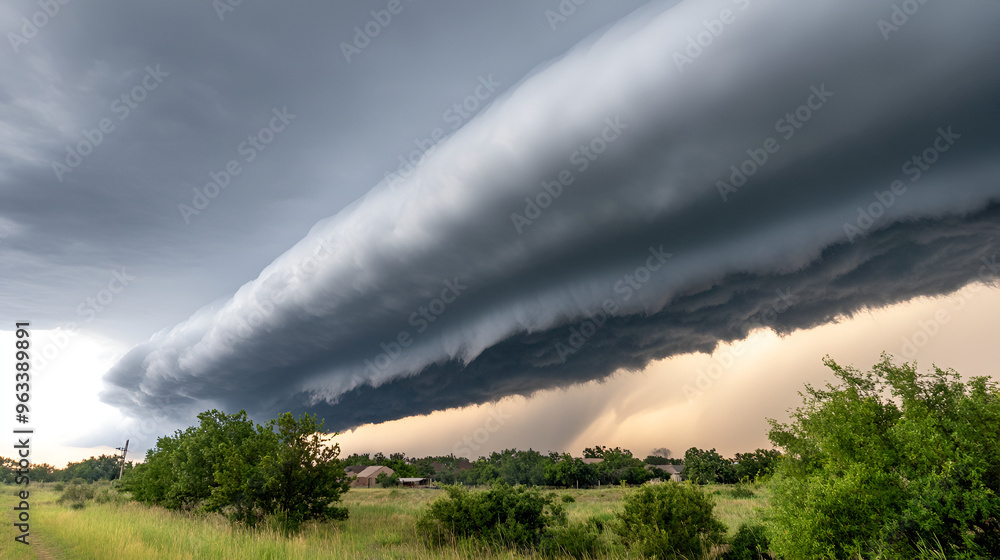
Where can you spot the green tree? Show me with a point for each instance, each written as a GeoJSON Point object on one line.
{"type": "Point", "coordinates": [284, 469]}
{"type": "Point", "coordinates": [387, 480]}
{"type": "Point", "coordinates": [618, 465]}
{"type": "Point", "coordinates": [180, 471]}
{"type": "Point", "coordinates": [757, 464]}
{"type": "Point", "coordinates": [570, 472]}
{"type": "Point", "coordinates": [43, 472]}
{"type": "Point", "coordinates": [105, 467]}
{"type": "Point", "coordinates": [707, 467]}
{"type": "Point", "coordinates": [304, 478]}
{"type": "Point", "coordinates": [890, 462]}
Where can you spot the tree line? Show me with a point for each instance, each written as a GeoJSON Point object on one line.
{"type": "Point", "coordinates": [105, 467]}
{"type": "Point", "coordinates": [533, 468]}
{"type": "Point", "coordinates": [888, 463]}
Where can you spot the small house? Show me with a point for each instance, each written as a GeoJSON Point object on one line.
{"type": "Point", "coordinates": [368, 477]}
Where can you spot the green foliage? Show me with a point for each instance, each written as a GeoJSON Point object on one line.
{"type": "Point", "coordinates": [567, 499]}
{"type": "Point", "coordinates": [758, 464]}
{"type": "Point", "coordinates": [510, 466]}
{"type": "Point", "coordinates": [386, 480]}
{"type": "Point", "coordinates": [105, 467]}
{"type": "Point", "coordinates": [749, 543]}
{"type": "Point", "coordinates": [667, 520]}
{"type": "Point", "coordinates": [567, 472]}
{"type": "Point", "coordinates": [619, 466]}
{"type": "Point", "coordinates": [398, 462]}
{"type": "Point", "coordinates": [179, 473]}
{"type": "Point", "coordinates": [77, 495]}
{"type": "Point", "coordinates": [577, 540]}
{"type": "Point", "coordinates": [706, 467]}
{"type": "Point", "coordinates": [887, 461]}
{"type": "Point", "coordinates": [283, 471]}
{"type": "Point", "coordinates": [502, 516]}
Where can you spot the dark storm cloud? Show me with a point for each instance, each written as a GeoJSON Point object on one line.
{"type": "Point", "coordinates": [666, 181]}
{"type": "Point", "coordinates": [119, 207]}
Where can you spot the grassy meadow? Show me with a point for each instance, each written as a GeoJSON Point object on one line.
{"type": "Point", "coordinates": [382, 525]}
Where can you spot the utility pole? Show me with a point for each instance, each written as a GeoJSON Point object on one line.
{"type": "Point", "coordinates": [124, 451]}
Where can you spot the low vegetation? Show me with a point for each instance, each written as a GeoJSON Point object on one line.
{"type": "Point", "coordinates": [669, 520]}
{"type": "Point", "coordinates": [283, 471]}
{"type": "Point", "coordinates": [886, 464]}
{"type": "Point", "coordinates": [890, 464]}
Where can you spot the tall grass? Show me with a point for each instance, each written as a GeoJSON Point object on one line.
{"type": "Point", "coordinates": [382, 525]}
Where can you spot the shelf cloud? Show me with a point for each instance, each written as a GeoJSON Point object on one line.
{"type": "Point", "coordinates": [687, 175]}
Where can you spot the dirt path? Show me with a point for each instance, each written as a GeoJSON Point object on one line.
{"type": "Point", "coordinates": [41, 551]}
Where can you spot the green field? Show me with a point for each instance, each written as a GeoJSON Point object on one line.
{"type": "Point", "coordinates": [381, 526]}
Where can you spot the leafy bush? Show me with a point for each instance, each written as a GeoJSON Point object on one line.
{"type": "Point", "coordinates": [108, 495]}
{"type": "Point", "coordinates": [567, 499]}
{"type": "Point", "coordinates": [578, 540]}
{"type": "Point", "coordinates": [668, 519]}
{"type": "Point", "coordinates": [706, 467]}
{"type": "Point", "coordinates": [76, 495]}
{"type": "Point", "coordinates": [387, 480]}
{"type": "Point", "coordinates": [749, 543]}
{"type": "Point", "coordinates": [502, 516]}
{"type": "Point", "coordinates": [59, 487]}
{"type": "Point", "coordinates": [742, 492]}
{"type": "Point", "coordinates": [872, 475]}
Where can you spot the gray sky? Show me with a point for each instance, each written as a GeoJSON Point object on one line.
{"type": "Point", "coordinates": [227, 195]}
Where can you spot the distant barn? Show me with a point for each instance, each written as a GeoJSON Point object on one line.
{"type": "Point", "coordinates": [671, 472]}
{"type": "Point", "coordinates": [368, 476]}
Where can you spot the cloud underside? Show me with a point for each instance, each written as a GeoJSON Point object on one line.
{"type": "Point", "coordinates": [768, 182]}
{"type": "Point", "coordinates": [924, 258]}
